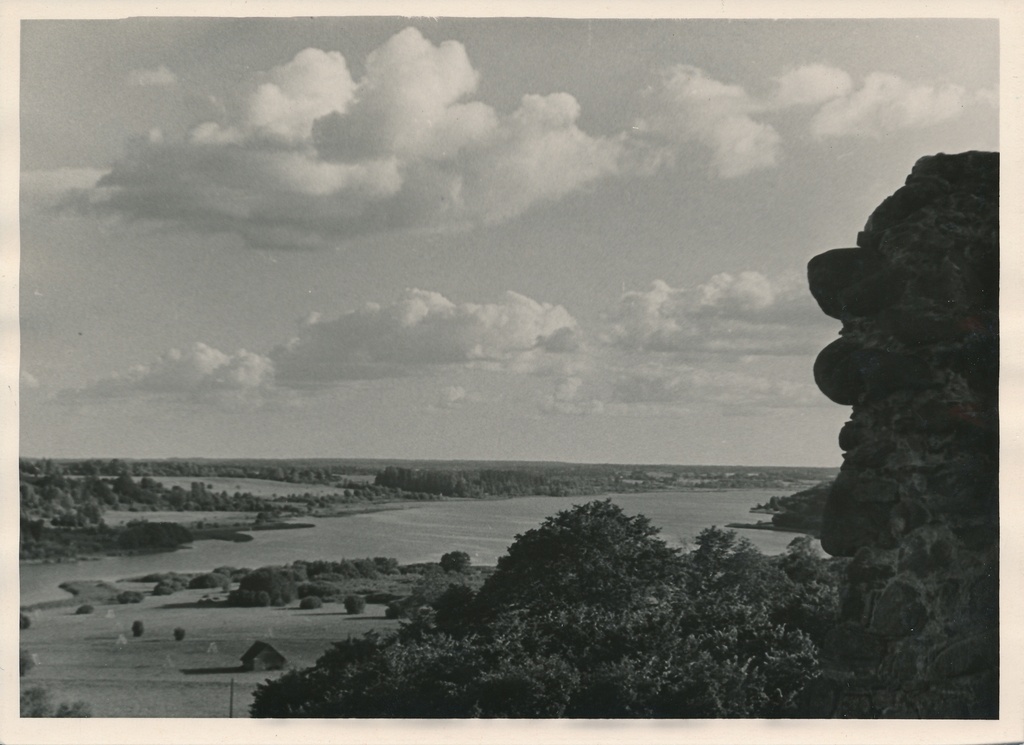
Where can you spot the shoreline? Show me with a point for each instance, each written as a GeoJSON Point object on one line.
{"type": "Point", "coordinates": [767, 525]}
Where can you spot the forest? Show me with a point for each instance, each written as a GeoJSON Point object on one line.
{"type": "Point", "coordinates": [589, 615]}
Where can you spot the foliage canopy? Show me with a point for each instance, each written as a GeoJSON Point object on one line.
{"type": "Point", "coordinates": [589, 615]}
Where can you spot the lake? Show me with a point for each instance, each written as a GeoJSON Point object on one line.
{"type": "Point", "coordinates": [483, 529]}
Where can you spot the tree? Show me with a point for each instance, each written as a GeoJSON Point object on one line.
{"type": "Point", "coordinates": [24, 621]}
{"type": "Point", "coordinates": [277, 583]}
{"type": "Point", "coordinates": [179, 634]}
{"type": "Point", "coordinates": [588, 615]}
{"type": "Point", "coordinates": [138, 628]}
{"type": "Point", "coordinates": [593, 554]}
{"type": "Point", "coordinates": [455, 561]}
{"type": "Point", "coordinates": [310, 602]}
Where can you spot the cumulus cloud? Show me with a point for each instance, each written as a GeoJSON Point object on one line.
{"type": "Point", "coordinates": [421, 330]}
{"type": "Point", "coordinates": [688, 105]}
{"type": "Point", "coordinates": [886, 103]}
{"type": "Point", "coordinates": [730, 314]}
{"type": "Point", "coordinates": [199, 372]}
{"type": "Point", "coordinates": [313, 156]}
{"type": "Point", "coordinates": [306, 155]}
{"type": "Point", "coordinates": [811, 84]}
{"type": "Point", "coordinates": [158, 76]}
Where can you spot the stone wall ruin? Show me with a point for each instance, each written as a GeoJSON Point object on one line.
{"type": "Point", "coordinates": [916, 502]}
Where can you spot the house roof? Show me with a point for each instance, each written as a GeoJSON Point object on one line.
{"type": "Point", "coordinates": [259, 649]}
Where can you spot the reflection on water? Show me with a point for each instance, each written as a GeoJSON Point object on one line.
{"type": "Point", "coordinates": [483, 529]}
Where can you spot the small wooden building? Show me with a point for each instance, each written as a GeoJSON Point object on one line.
{"type": "Point", "coordinates": [262, 656]}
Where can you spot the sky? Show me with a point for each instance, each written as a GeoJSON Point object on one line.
{"type": "Point", "coordinates": [498, 239]}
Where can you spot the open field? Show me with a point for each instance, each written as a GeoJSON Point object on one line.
{"type": "Point", "coordinates": [95, 658]}
{"type": "Point", "coordinates": [256, 487]}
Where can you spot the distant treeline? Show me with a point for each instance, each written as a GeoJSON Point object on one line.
{"type": "Point", "coordinates": [490, 482]}
{"type": "Point", "coordinates": [508, 474]}
{"type": "Point", "coordinates": [280, 471]}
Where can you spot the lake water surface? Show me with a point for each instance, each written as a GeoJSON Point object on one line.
{"type": "Point", "coordinates": [483, 529]}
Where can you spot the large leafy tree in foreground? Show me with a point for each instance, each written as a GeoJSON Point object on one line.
{"type": "Point", "coordinates": [589, 615]}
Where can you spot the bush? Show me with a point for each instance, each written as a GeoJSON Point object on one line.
{"type": "Point", "coordinates": [179, 634]}
{"type": "Point", "coordinates": [278, 584]}
{"type": "Point", "coordinates": [311, 602]}
{"type": "Point", "coordinates": [147, 535]}
{"type": "Point", "coordinates": [164, 588]}
{"type": "Point", "coordinates": [396, 609]}
{"type": "Point", "coordinates": [84, 610]}
{"type": "Point", "coordinates": [25, 663]}
{"type": "Point", "coordinates": [320, 589]}
{"type": "Point", "coordinates": [137, 628]}
{"type": "Point", "coordinates": [36, 702]}
{"type": "Point", "coordinates": [355, 604]}
{"type": "Point", "coordinates": [209, 581]}
{"type": "Point", "coordinates": [25, 621]}
{"type": "Point", "coordinates": [455, 561]}
{"type": "Point", "coordinates": [129, 596]}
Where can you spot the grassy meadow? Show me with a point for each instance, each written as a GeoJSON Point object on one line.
{"type": "Point", "coordinates": [95, 658]}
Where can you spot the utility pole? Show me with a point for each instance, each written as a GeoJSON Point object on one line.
{"type": "Point", "coordinates": [231, 701]}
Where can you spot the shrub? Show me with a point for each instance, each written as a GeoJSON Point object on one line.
{"type": "Point", "coordinates": [310, 602]}
{"type": "Point", "coordinates": [25, 621]}
{"type": "Point", "coordinates": [263, 598]}
{"type": "Point", "coordinates": [320, 589]}
{"type": "Point", "coordinates": [129, 596]}
{"type": "Point", "coordinates": [455, 561]}
{"type": "Point", "coordinates": [137, 628]}
{"type": "Point", "coordinates": [84, 610]}
{"type": "Point", "coordinates": [355, 604]}
{"type": "Point", "coordinates": [179, 634]}
{"type": "Point", "coordinates": [25, 663]}
{"type": "Point", "coordinates": [73, 709]}
{"type": "Point", "coordinates": [209, 581]}
{"type": "Point", "coordinates": [278, 584]}
{"type": "Point", "coordinates": [146, 535]}
{"type": "Point", "coordinates": [164, 588]}
{"type": "Point", "coordinates": [36, 702]}
{"type": "Point", "coordinates": [396, 609]}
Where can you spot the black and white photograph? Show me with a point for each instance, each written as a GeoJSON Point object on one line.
{"type": "Point", "coordinates": [535, 364]}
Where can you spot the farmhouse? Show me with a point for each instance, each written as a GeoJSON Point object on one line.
{"type": "Point", "coordinates": [262, 656]}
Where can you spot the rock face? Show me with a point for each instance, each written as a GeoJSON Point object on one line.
{"type": "Point", "coordinates": [916, 502]}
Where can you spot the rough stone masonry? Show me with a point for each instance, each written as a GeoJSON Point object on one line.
{"type": "Point", "coordinates": [916, 502]}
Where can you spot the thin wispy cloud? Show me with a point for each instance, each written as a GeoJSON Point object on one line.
{"type": "Point", "coordinates": [159, 76]}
